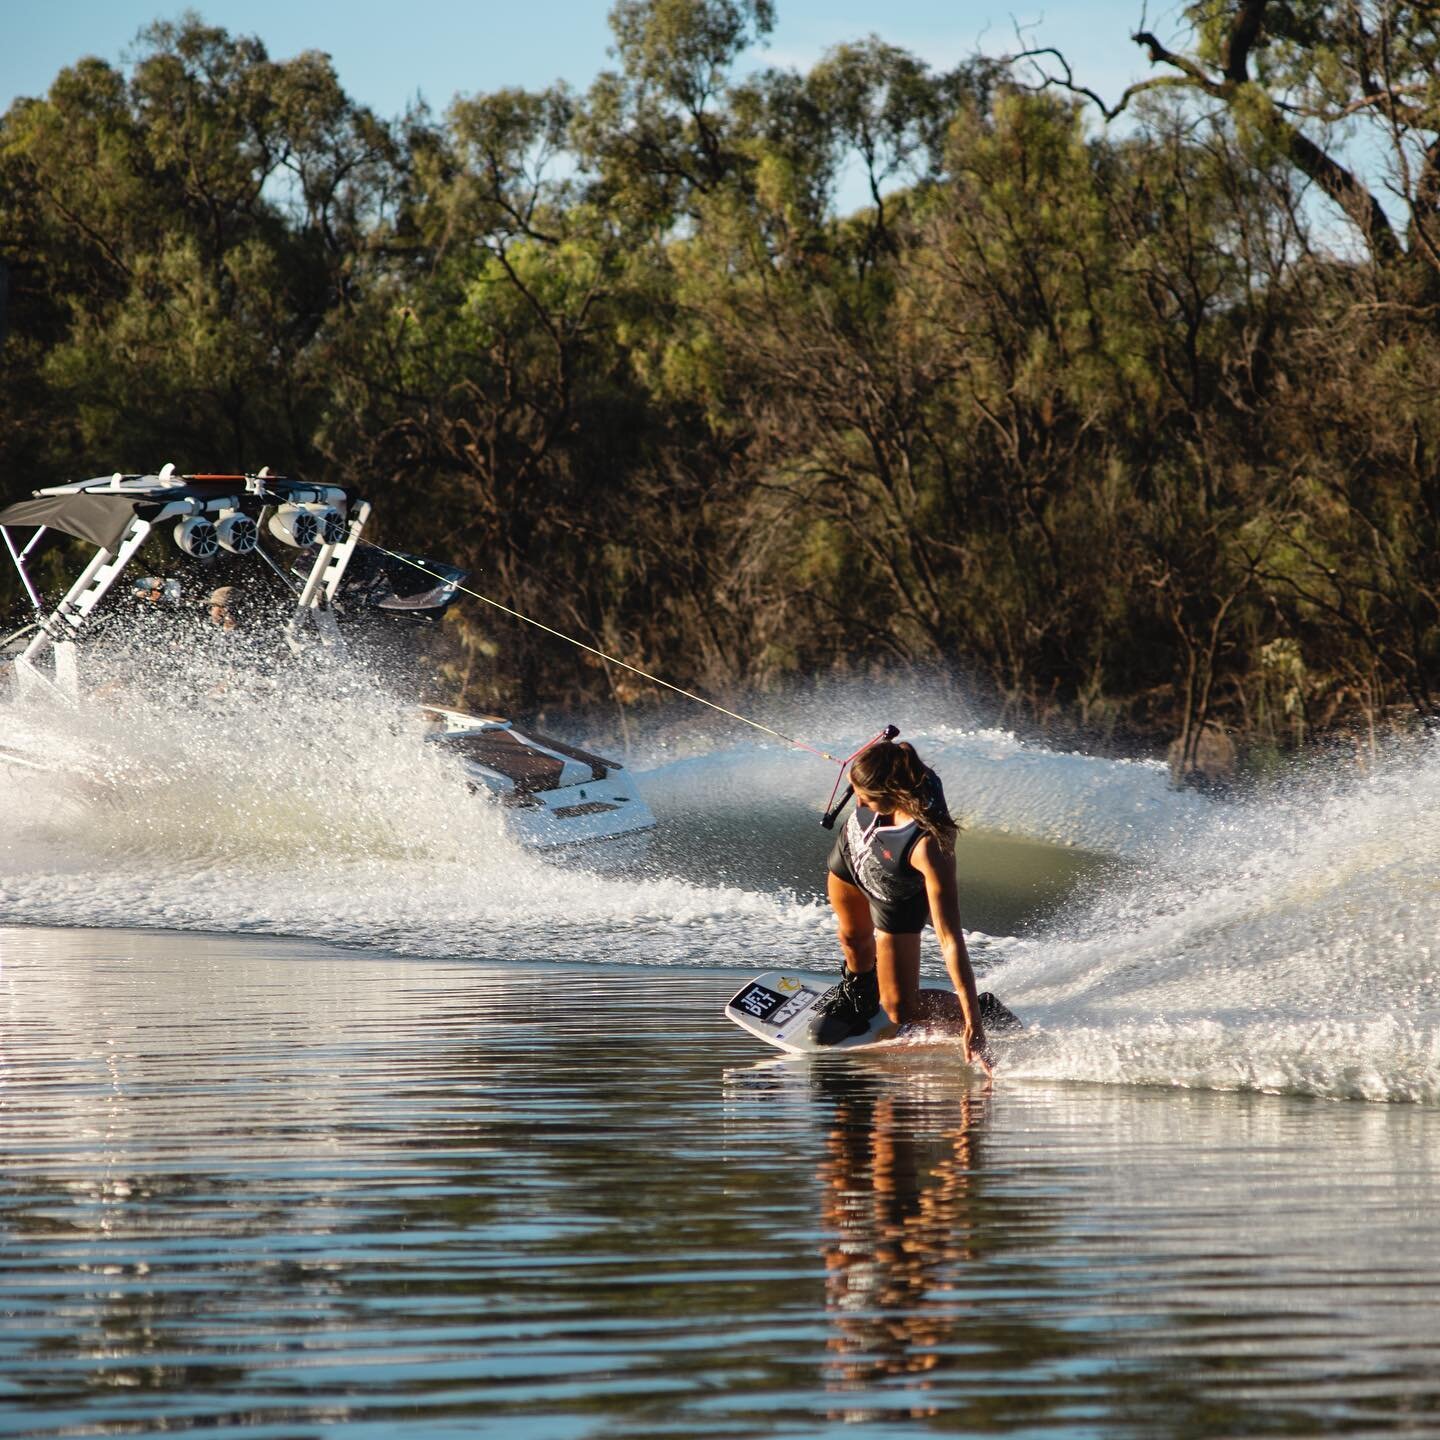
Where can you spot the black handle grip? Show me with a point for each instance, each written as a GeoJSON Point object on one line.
{"type": "Point", "coordinates": [832, 814]}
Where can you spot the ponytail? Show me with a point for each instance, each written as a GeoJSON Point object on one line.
{"type": "Point", "coordinates": [892, 771]}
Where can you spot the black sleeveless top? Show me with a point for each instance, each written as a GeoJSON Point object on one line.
{"type": "Point", "coordinates": [878, 852]}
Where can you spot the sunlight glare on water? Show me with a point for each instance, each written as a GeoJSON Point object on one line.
{"type": "Point", "coordinates": [272, 1187]}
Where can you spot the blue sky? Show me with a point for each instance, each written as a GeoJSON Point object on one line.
{"type": "Point", "coordinates": [387, 52]}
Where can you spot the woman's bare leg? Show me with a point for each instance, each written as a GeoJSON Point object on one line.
{"type": "Point", "coordinates": [852, 918]}
{"type": "Point", "coordinates": [898, 963]}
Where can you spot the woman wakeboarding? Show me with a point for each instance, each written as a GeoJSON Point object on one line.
{"type": "Point", "coordinates": [892, 872]}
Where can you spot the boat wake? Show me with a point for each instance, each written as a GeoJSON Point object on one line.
{"type": "Point", "coordinates": [1286, 946]}
{"type": "Point", "coordinates": [1282, 944]}
{"type": "Point", "coordinates": [315, 809]}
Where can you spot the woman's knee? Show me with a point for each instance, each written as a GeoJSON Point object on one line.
{"type": "Point", "coordinates": [898, 1005]}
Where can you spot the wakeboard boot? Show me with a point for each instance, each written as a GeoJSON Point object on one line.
{"type": "Point", "coordinates": [848, 1008]}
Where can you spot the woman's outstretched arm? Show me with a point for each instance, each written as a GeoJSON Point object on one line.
{"type": "Point", "coordinates": [938, 868]}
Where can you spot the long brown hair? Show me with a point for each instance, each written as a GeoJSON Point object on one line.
{"type": "Point", "coordinates": [893, 773]}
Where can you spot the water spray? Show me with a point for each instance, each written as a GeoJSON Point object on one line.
{"type": "Point", "coordinates": [832, 810]}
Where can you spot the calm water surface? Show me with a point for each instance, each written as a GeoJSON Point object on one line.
{"type": "Point", "coordinates": [267, 1185]}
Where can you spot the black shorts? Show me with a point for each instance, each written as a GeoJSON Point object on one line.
{"type": "Point", "coordinates": [894, 917]}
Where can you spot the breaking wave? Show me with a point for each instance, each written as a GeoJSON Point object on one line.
{"type": "Point", "coordinates": [1286, 945]}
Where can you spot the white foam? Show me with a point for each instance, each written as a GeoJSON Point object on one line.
{"type": "Point", "coordinates": [993, 782]}
{"type": "Point", "coordinates": [1289, 945]}
{"type": "Point", "coordinates": [1285, 944]}
{"type": "Point", "coordinates": [313, 808]}
{"type": "Point", "coordinates": [1114, 807]}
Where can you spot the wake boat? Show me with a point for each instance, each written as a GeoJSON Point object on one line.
{"type": "Point", "coordinates": [308, 538]}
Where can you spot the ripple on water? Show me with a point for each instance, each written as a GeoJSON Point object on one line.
{"type": "Point", "coordinates": [292, 1190]}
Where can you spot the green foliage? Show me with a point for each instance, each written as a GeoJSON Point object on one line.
{"type": "Point", "coordinates": [1093, 418]}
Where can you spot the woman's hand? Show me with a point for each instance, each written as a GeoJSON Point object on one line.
{"type": "Point", "coordinates": [977, 1049]}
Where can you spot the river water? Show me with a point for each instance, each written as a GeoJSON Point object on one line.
{"type": "Point", "coordinates": [326, 1110]}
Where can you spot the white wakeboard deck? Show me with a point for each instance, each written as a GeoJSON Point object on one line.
{"type": "Point", "coordinates": [780, 1008]}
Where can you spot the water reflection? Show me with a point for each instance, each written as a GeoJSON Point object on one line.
{"type": "Point", "coordinates": [897, 1206]}
{"type": "Point", "coordinates": [313, 1191]}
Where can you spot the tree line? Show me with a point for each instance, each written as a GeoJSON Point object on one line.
{"type": "Point", "coordinates": [1123, 408]}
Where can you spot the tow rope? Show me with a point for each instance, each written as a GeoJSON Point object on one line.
{"type": "Point", "coordinates": [832, 810]}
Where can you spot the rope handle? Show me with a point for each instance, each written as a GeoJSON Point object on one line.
{"type": "Point", "coordinates": [832, 809]}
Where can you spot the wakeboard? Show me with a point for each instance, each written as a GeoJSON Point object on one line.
{"type": "Point", "coordinates": [783, 1010]}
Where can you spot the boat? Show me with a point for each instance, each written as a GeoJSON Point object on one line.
{"type": "Point", "coordinates": [308, 540]}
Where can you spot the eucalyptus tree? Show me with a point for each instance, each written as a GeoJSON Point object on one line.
{"type": "Point", "coordinates": [1348, 93]}
{"type": "Point", "coordinates": [655, 132]}
{"type": "Point", "coordinates": [184, 235]}
{"type": "Point", "coordinates": [509, 359]}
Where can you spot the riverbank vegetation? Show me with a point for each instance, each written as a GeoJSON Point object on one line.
{"type": "Point", "coordinates": [1122, 407]}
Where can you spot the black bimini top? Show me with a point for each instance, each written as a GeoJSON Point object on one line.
{"type": "Point", "coordinates": [101, 519]}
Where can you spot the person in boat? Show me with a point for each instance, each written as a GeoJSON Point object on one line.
{"type": "Point", "coordinates": [892, 872]}
{"type": "Point", "coordinates": [238, 651]}
{"type": "Point", "coordinates": [221, 608]}
{"type": "Point", "coordinates": [125, 636]}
